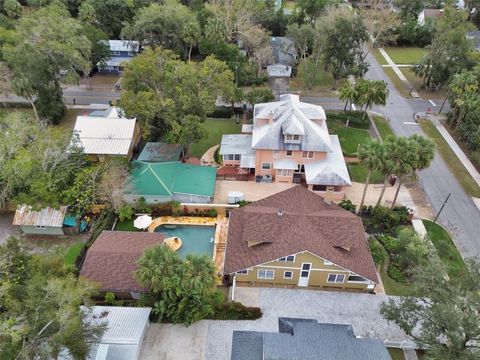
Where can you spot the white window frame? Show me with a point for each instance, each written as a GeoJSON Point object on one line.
{"type": "Point", "coordinates": [265, 272]}
{"type": "Point", "coordinates": [285, 258]}
{"type": "Point", "coordinates": [266, 163]}
{"type": "Point", "coordinates": [285, 274]}
{"type": "Point", "coordinates": [337, 276]}
{"type": "Point", "coordinates": [284, 172]}
{"type": "Point", "coordinates": [291, 138]}
{"type": "Point", "coordinates": [364, 281]}
{"type": "Point", "coordinates": [326, 262]}
{"type": "Point", "coordinates": [291, 153]}
{"type": "Point", "coordinates": [40, 227]}
{"type": "Point", "coordinates": [276, 154]}
{"type": "Point", "coordinates": [306, 154]}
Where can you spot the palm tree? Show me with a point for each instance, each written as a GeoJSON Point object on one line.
{"type": "Point", "coordinates": [371, 156]}
{"type": "Point", "coordinates": [348, 92]}
{"type": "Point", "coordinates": [372, 92]}
{"type": "Point", "coordinates": [199, 272]}
{"type": "Point", "coordinates": [403, 155]}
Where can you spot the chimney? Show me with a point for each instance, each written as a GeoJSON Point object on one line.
{"type": "Point", "coordinates": [280, 212]}
{"type": "Point", "coordinates": [270, 118]}
{"type": "Point", "coordinates": [328, 196]}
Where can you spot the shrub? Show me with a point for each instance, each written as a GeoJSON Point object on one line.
{"type": "Point", "coordinates": [110, 298]}
{"type": "Point", "coordinates": [389, 242]}
{"type": "Point", "coordinates": [384, 218]}
{"type": "Point", "coordinates": [104, 222]}
{"type": "Point", "coordinates": [402, 212]}
{"type": "Point", "coordinates": [348, 205]}
{"type": "Point", "coordinates": [236, 311]}
{"type": "Point", "coordinates": [217, 157]}
{"type": "Point", "coordinates": [212, 213]}
{"type": "Point", "coordinates": [395, 273]}
{"type": "Point", "coordinates": [378, 253]}
{"type": "Point", "coordinates": [125, 212]}
{"type": "Point", "coordinates": [142, 206]}
{"type": "Point", "coordinates": [242, 202]}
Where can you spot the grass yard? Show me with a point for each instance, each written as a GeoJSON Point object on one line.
{"type": "Point", "coordinates": [456, 167]}
{"type": "Point", "coordinates": [405, 54]}
{"type": "Point", "coordinates": [68, 122]}
{"type": "Point", "coordinates": [215, 129]}
{"type": "Point", "coordinates": [446, 249]}
{"type": "Point", "coordinates": [382, 126]}
{"type": "Point", "coordinates": [417, 84]}
{"type": "Point", "coordinates": [350, 136]}
{"type": "Point", "coordinates": [358, 173]}
{"type": "Point", "coordinates": [379, 57]}
{"type": "Point", "coordinates": [126, 225]}
{"type": "Point", "coordinates": [72, 253]}
{"type": "Point", "coordinates": [396, 354]}
{"type": "Point", "coordinates": [401, 86]}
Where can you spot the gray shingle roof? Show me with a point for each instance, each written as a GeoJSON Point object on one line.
{"type": "Point", "coordinates": [290, 116]}
{"type": "Point", "coordinates": [307, 340]}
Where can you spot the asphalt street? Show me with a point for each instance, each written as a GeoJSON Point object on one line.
{"type": "Point", "coordinates": [460, 215]}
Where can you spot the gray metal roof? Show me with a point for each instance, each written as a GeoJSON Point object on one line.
{"type": "Point", "coordinates": [307, 340]}
{"type": "Point", "coordinates": [237, 144]}
{"type": "Point", "coordinates": [279, 70]}
{"type": "Point", "coordinates": [330, 171]}
{"type": "Point", "coordinates": [284, 51]}
{"type": "Point", "coordinates": [290, 116]}
{"type": "Point", "coordinates": [48, 216]}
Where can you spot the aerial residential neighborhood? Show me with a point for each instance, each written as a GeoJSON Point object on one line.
{"type": "Point", "coordinates": [239, 180]}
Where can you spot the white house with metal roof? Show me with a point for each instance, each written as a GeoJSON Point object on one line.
{"type": "Point", "coordinates": [289, 142]}
{"type": "Point", "coordinates": [106, 134]}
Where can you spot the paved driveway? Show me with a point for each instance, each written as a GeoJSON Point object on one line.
{"type": "Point", "coordinates": [6, 227]}
{"type": "Point", "coordinates": [360, 310]}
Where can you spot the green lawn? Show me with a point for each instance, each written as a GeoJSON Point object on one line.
{"type": "Point", "coordinates": [350, 136]}
{"type": "Point", "coordinates": [358, 173]}
{"type": "Point", "coordinates": [396, 354]}
{"type": "Point", "coordinates": [72, 253]}
{"type": "Point", "coordinates": [322, 81]}
{"type": "Point", "coordinates": [406, 55]}
{"type": "Point", "coordinates": [126, 225]}
{"type": "Point", "coordinates": [383, 126]}
{"type": "Point", "coordinates": [456, 167]}
{"type": "Point", "coordinates": [446, 249]}
{"type": "Point", "coordinates": [215, 128]}
{"type": "Point", "coordinates": [402, 87]}
{"type": "Point", "coordinates": [379, 57]}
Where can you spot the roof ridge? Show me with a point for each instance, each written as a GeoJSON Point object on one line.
{"type": "Point", "coordinates": [158, 179]}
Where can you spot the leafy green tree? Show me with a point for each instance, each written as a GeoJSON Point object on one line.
{"type": "Point", "coordinates": [59, 45]}
{"type": "Point", "coordinates": [450, 52]}
{"type": "Point", "coordinates": [413, 7]}
{"type": "Point", "coordinates": [445, 316]}
{"type": "Point", "coordinates": [463, 96]}
{"type": "Point", "coordinates": [11, 8]}
{"type": "Point", "coordinates": [259, 95]}
{"type": "Point", "coordinates": [83, 193]}
{"type": "Point", "coordinates": [348, 92]}
{"type": "Point", "coordinates": [170, 25]}
{"type": "Point", "coordinates": [162, 91]}
{"type": "Point", "coordinates": [303, 37]}
{"type": "Point", "coordinates": [41, 301]}
{"type": "Point", "coordinates": [109, 15]}
{"type": "Point", "coordinates": [371, 92]}
{"type": "Point", "coordinates": [341, 35]}
{"type": "Point", "coordinates": [310, 10]}
{"type": "Point", "coordinates": [186, 131]}
{"type": "Point", "coordinates": [371, 156]}
{"type": "Point", "coordinates": [100, 51]}
{"type": "Point", "coordinates": [182, 291]}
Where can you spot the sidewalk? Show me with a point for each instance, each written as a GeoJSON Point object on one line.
{"type": "Point", "coordinates": [398, 72]}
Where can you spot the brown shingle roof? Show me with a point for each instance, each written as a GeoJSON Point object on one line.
{"type": "Point", "coordinates": [112, 259]}
{"type": "Point", "coordinates": [307, 224]}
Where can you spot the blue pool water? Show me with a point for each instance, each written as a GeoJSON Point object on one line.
{"type": "Point", "coordinates": [196, 239]}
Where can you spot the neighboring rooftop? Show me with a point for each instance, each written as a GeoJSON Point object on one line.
{"type": "Point", "coordinates": [169, 178]}
{"type": "Point", "coordinates": [279, 70]}
{"type": "Point", "coordinates": [160, 152]}
{"type": "Point", "coordinates": [307, 340]}
{"type": "Point", "coordinates": [124, 45]}
{"type": "Point", "coordinates": [307, 224]}
{"type": "Point", "coordinates": [112, 259]}
{"type": "Point", "coordinates": [293, 117]}
{"type": "Point", "coordinates": [107, 134]}
{"type": "Point", "coordinates": [26, 216]}
{"type": "Point", "coordinates": [283, 49]}
{"type": "Point", "coordinates": [125, 332]}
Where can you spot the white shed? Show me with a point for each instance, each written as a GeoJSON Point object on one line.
{"type": "Point", "coordinates": [126, 330]}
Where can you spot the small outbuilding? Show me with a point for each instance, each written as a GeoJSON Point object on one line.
{"type": "Point", "coordinates": [126, 329]}
{"type": "Point", "coordinates": [46, 221]}
{"type": "Point", "coordinates": [161, 152]}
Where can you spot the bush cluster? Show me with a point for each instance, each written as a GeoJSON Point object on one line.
{"type": "Point", "coordinates": [235, 311]}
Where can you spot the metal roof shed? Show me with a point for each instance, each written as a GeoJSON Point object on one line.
{"type": "Point", "coordinates": [126, 330]}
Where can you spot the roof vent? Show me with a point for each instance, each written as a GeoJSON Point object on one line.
{"type": "Point", "coordinates": [280, 212]}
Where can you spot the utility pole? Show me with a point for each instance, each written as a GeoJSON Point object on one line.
{"type": "Point", "coordinates": [443, 205]}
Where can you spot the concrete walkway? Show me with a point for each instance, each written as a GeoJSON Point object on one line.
{"type": "Point", "coordinates": [410, 354]}
{"type": "Point", "coordinates": [419, 227]}
{"type": "Point", "coordinates": [397, 71]}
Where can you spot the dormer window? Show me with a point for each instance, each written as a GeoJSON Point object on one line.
{"type": "Point", "coordinates": [292, 138]}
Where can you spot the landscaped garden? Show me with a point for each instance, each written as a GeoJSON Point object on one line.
{"type": "Point", "coordinates": [215, 129]}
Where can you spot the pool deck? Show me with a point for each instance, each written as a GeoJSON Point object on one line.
{"type": "Point", "coordinates": [221, 232]}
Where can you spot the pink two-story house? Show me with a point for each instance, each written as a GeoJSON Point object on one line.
{"type": "Point", "coordinates": [289, 142]}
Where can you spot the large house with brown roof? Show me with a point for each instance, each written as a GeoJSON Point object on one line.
{"type": "Point", "coordinates": [112, 261]}
{"type": "Point", "coordinates": [296, 239]}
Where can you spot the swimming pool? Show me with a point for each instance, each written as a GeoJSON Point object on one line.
{"type": "Point", "coordinates": [197, 240]}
